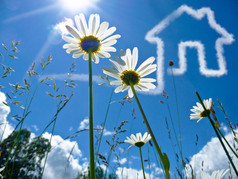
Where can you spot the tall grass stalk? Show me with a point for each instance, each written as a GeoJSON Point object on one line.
{"type": "Point", "coordinates": [175, 133]}
{"type": "Point", "coordinates": [61, 104]}
{"type": "Point", "coordinates": [177, 106]}
{"type": "Point", "coordinates": [112, 147]}
{"type": "Point", "coordinates": [219, 137]}
{"type": "Point", "coordinates": [27, 105]}
{"type": "Point", "coordinates": [104, 123]}
{"type": "Point", "coordinates": [163, 156]}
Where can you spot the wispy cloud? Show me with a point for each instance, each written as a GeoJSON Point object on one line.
{"type": "Point", "coordinates": [225, 39]}
{"type": "Point", "coordinates": [31, 13]}
{"type": "Point", "coordinates": [76, 77]}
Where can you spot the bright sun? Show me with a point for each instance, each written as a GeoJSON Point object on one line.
{"type": "Point", "coordinates": [76, 4]}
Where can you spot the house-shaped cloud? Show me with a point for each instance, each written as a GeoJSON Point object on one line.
{"type": "Point", "coordinates": [225, 39]}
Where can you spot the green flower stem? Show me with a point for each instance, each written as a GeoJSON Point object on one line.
{"type": "Point", "coordinates": [141, 158]}
{"type": "Point", "coordinates": [219, 137]}
{"type": "Point", "coordinates": [162, 157]}
{"type": "Point", "coordinates": [91, 136]}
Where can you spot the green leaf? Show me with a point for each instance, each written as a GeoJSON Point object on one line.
{"type": "Point", "coordinates": [166, 162]}
{"type": "Point", "coordinates": [13, 56]}
{"type": "Point", "coordinates": [4, 47]}
{"type": "Point", "coordinates": [4, 103]}
{"type": "Point", "coordinates": [49, 94]}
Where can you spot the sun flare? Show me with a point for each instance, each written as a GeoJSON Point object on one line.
{"type": "Point", "coordinates": [76, 4]}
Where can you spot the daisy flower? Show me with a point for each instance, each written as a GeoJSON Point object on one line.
{"type": "Point", "coordinates": [93, 38]}
{"type": "Point", "coordinates": [215, 175]}
{"type": "Point", "coordinates": [126, 74]}
{"type": "Point", "coordinates": [138, 140]}
{"type": "Point", "coordinates": [199, 111]}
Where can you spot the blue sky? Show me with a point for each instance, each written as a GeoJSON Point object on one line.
{"type": "Point", "coordinates": [33, 22]}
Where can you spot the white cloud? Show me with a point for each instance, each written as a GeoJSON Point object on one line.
{"type": "Point", "coordinates": [121, 161]}
{"type": "Point", "coordinates": [108, 133]}
{"type": "Point", "coordinates": [57, 165]}
{"type": "Point", "coordinates": [225, 39]}
{"type": "Point", "coordinates": [156, 170]}
{"type": "Point", "coordinates": [60, 27]}
{"type": "Point", "coordinates": [35, 127]}
{"type": "Point", "coordinates": [131, 173]}
{"type": "Point", "coordinates": [76, 77]}
{"type": "Point", "coordinates": [83, 124]}
{"type": "Point", "coordinates": [213, 157]}
{"type": "Point", "coordinates": [5, 128]}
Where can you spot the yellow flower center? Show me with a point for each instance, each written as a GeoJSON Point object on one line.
{"type": "Point", "coordinates": [205, 113]}
{"type": "Point", "coordinates": [90, 44]}
{"type": "Point", "coordinates": [139, 144]}
{"type": "Point", "coordinates": [129, 77]}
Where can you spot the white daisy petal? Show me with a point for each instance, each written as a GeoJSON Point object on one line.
{"type": "Point", "coordinates": [114, 37]}
{"type": "Point", "coordinates": [77, 55]}
{"type": "Point", "coordinates": [149, 85]}
{"type": "Point", "coordinates": [83, 25]}
{"type": "Point", "coordinates": [129, 58]}
{"type": "Point", "coordinates": [109, 43]}
{"type": "Point", "coordinates": [90, 24]}
{"type": "Point", "coordinates": [111, 72]}
{"type": "Point", "coordinates": [146, 63]}
{"type": "Point", "coordinates": [107, 33]}
{"type": "Point", "coordinates": [103, 54]}
{"type": "Point", "coordinates": [73, 31]}
{"type": "Point", "coordinates": [97, 24]}
{"type": "Point", "coordinates": [130, 93]}
{"type": "Point", "coordinates": [147, 80]}
{"type": "Point", "coordinates": [78, 25]}
{"type": "Point", "coordinates": [102, 28]}
{"type": "Point", "coordinates": [65, 46]}
{"type": "Point", "coordinates": [96, 58]}
{"type": "Point", "coordinates": [108, 49]}
{"type": "Point", "coordinates": [85, 56]}
{"type": "Point", "coordinates": [142, 87]}
{"type": "Point", "coordinates": [135, 58]}
{"type": "Point", "coordinates": [125, 88]}
{"type": "Point", "coordinates": [70, 39]}
{"type": "Point", "coordinates": [118, 89]}
{"type": "Point", "coordinates": [116, 65]}
{"type": "Point", "coordinates": [116, 82]}
{"type": "Point", "coordinates": [144, 136]}
{"type": "Point", "coordinates": [148, 71]}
